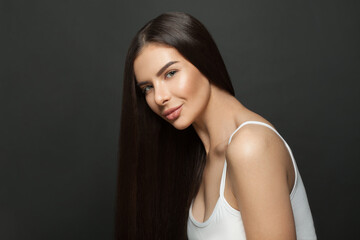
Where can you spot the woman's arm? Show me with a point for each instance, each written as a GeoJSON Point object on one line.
{"type": "Point", "coordinates": [257, 160]}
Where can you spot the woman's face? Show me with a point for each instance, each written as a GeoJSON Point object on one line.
{"type": "Point", "coordinates": [169, 81]}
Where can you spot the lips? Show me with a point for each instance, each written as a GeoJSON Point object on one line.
{"type": "Point", "coordinates": [171, 110]}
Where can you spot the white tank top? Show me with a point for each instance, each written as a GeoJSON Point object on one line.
{"type": "Point", "coordinates": [225, 222]}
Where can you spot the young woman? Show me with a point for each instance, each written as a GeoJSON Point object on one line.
{"type": "Point", "coordinates": [194, 162]}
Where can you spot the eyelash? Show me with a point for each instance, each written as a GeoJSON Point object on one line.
{"type": "Point", "coordinates": [172, 71]}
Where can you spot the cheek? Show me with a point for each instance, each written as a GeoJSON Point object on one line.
{"type": "Point", "coordinates": [194, 86]}
{"type": "Point", "coordinates": [152, 105]}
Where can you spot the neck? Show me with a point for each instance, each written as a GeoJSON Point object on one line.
{"type": "Point", "coordinates": [219, 119]}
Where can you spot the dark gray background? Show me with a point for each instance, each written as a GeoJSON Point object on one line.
{"type": "Point", "coordinates": [297, 63]}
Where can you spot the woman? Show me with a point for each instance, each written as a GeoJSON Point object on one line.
{"type": "Point", "coordinates": [194, 162]}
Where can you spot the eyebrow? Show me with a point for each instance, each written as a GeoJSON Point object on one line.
{"type": "Point", "coordinates": [159, 72]}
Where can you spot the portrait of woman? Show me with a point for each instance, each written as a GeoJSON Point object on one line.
{"type": "Point", "coordinates": [195, 162]}
{"type": "Point", "coordinates": [174, 120]}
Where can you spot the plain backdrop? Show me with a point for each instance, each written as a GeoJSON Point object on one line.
{"type": "Point", "coordinates": [296, 63]}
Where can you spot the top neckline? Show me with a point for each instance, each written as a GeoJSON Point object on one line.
{"type": "Point", "coordinates": [223, 176]}
{"type": "Point", "coordinates": [222, 186]}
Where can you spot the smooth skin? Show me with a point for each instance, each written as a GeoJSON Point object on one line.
{"type": "Point", "coordinates": [260, 171]}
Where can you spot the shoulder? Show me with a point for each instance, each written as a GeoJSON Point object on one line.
{"type": "Point", "coordinates": [257, 159]}
{"type": "Point", "coordinates": [256, 144]}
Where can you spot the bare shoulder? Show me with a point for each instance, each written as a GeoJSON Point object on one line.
{"type": "Point", "coordinates": [252, 141]}
{"type": "Point", "coordinates": [257, 159]}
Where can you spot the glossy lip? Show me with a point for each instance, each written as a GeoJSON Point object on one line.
{"type": "Point", "coordinates": [175, 114]}
{"type": "Point", "coordinates": [169, 111]}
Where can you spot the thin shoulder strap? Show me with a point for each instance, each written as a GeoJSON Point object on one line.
{"type": "Point", "coordinates": [223, 177]}
{"type": "Point", "coordinates": [253, 122]}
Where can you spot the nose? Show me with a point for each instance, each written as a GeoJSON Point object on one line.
{"type": "Point", "coordinates": [162, 94]}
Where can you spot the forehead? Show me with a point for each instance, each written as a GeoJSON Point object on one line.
{"type": "Point", "coordinates": [152, 57]}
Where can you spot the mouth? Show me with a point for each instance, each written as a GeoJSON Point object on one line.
{"type": "Point", "coordinates": [173, 113]}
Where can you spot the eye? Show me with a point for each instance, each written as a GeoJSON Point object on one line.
{"type": "Point", "coordinates": [167, 75]}
{"type": "Point", "coordinates": [170, 74]}
{"type": "Point", "coordinates": [144, 90]}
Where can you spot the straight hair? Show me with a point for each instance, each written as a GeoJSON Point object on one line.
{"type": "Point", "coordinates": [160, 168]}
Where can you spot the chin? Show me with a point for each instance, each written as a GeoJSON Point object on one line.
{"type": "Point", "coordinates": [180, 125]}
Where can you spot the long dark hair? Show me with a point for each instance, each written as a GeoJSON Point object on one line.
{"type": "Point", "coordinates": [160, 167]}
